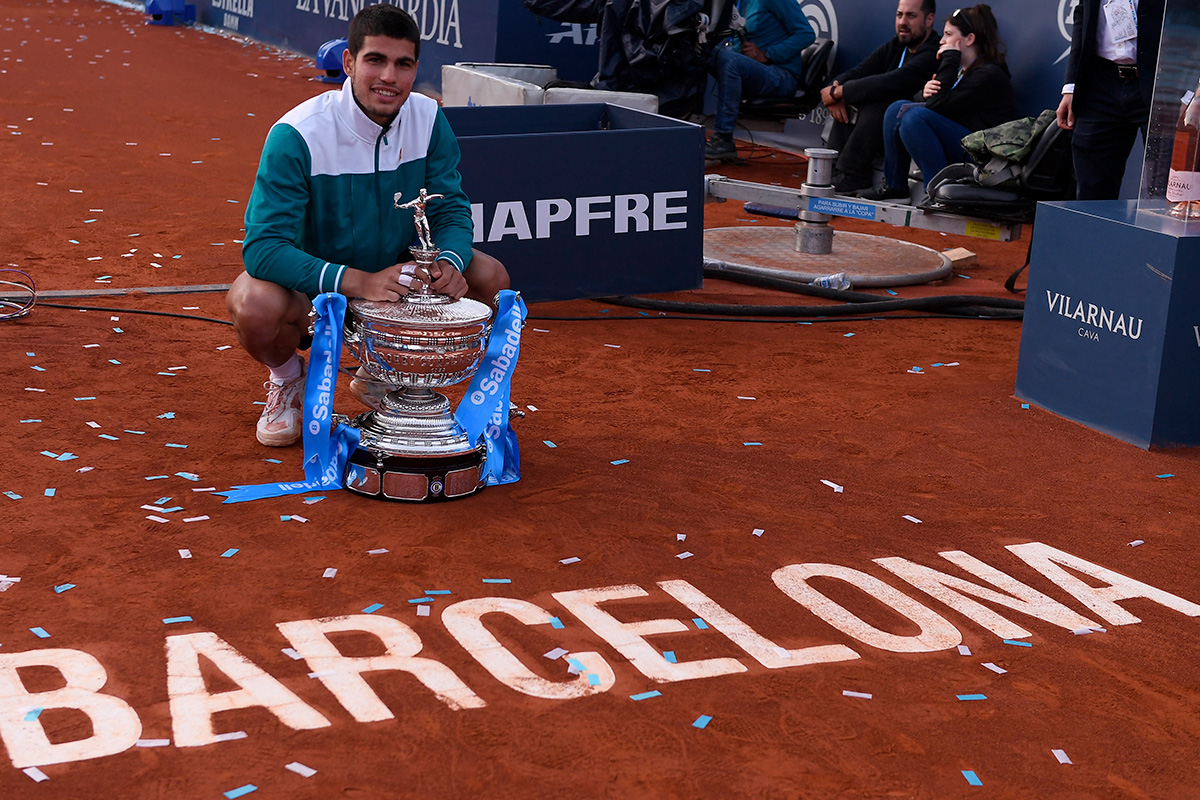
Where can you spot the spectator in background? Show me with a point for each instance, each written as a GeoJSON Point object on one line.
{"type": "Point", "coordinates": [971, 91]}
{"type": "Point", "coordinates": [1108, 89]}
{"type": "Point", "coordinates": [857, 98]}
{"type": "Point", "coordinates": [762, 61]}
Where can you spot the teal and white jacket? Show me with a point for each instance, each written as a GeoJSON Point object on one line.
{"type": "Point", "coordinates": [324, 195]}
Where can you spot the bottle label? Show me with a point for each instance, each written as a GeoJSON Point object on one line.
{"type": "Point", "coordinates": [1182, 185]}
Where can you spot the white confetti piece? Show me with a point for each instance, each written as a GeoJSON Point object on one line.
{"type": "Point", "coordinates": [185, 553]}
{"type": "Point", "coordinates": [299, 518]}
{"type": "Point", "coordinates": [571, 560]}
{"type": "Point", "coordinates": [377, 551]}
{"type": "Point", "coordinates": [324, 673]}
{"type": "Point", "coordinates": [532, 408]}
{"type": "Point", "coordinates": [36, 774]}
{"type": "Point", "coordinates": [93, 424]}
{"type": "Point", "coordinates": [746, 397]}
{"type": "Point", "coordinates": [330, 572]}
{"type": "Point", "coordinates": [229, 737]}
{"type": "Point", "coordinates": [1086, 631]}
{"type": "Point", "coordinates": [422, 611]}
{"type": "Point", "coordinates": [860, 695]}
{"type": "Point", "coordinates": [292, 654]}
{"type": "Point", "coordinates": [1062, 756]}
{"type": "Point", "coordinates": [556, 653]}
{"type": "Point", "coordinates": [684, 554]}
{"type": "Point", "coordinates": [614, 346]}
{"type": "Point", "coordinates": [1136, 543]}
{"type": "Point", "coordinates": [155, 518]}
{"type": "Point", "coordinates": [963, 650]}
{"type": "Point", "coordinates": [300, 769]}
{"type": "Point", "coordinates": [196, 519]}
{"type": "Point", "coordinates": [836, 488]}
{"type": "Point", "coordinates": [681, 537]}
{"type": "Point", "coordinates": [911, 518]}
{"type": "Point", "coordinates": [994, 668]}
{"type": "Point", "coordinates": [758, 532]}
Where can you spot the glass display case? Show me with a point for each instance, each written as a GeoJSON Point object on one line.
{"type": "Point", "coordinates": [1169, 196]}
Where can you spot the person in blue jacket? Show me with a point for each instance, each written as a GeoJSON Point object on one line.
{"type": "Point", "coordinates": [764, 61]}
{"type": "Point", "coordinates": [323, 213]}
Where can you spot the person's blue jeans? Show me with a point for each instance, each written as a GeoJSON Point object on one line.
{"type": "Point", "coordinates": [737, 76]}
{"type": "Point", "coordinates": [912, 131]}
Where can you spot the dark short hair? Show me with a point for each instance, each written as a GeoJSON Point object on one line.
{"type": "Point", "coordinates": [928, 6]}
{"type": "Point", "coordinates": [382, 19]}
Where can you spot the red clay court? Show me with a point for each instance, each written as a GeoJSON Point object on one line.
{"type": "Point", "coordinates": [744, 559]}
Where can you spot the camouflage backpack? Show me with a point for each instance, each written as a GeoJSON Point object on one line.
{"type": "Point", "coordinates": [1000, 152]}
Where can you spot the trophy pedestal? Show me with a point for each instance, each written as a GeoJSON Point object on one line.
{"type": "Point", "coordinates": [413, 449]}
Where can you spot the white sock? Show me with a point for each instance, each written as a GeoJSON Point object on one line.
{"type": "Point", "coordinates": [288, 371]}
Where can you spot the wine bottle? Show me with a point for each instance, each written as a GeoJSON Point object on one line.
{"type": "Point", "coordinates": [1183, 183]}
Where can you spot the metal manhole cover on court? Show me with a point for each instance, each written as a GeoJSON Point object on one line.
{"type": "Point", "coordinates": [869, 261]}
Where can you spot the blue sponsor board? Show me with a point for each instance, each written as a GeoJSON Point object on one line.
{"type": "Point", "coordinates": [1111, 336]}
{"type": "Point", "coordinates": [585, 200]}
{"type": "Point", "coordinates": [841, 208]}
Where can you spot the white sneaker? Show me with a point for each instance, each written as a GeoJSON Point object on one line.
{"type": "Point", "coordinates": [282, 421]}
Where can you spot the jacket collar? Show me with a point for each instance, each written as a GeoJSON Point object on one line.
{"type": "Point", "coordinates": [353, 117]}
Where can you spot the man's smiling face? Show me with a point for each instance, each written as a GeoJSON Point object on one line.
{"type": "Point", "coordinates": [381, 76]}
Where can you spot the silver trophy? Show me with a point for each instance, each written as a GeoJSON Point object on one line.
{"type": "Point", "coordinates": [411, 447]}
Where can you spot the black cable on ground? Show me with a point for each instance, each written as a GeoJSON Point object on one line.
{"type": "Point", "coordinates": [138, 311]}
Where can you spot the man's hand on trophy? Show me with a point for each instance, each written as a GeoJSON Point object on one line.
{"type": "Point", "coordinates": [387, 285]}
{"type": "Point", "coordinates": [448, 281]}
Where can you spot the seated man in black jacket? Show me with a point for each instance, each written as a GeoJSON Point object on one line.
{"type": "Point", "coordinates": [895, 71]}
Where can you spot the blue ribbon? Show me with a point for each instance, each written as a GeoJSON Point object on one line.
{"type": "Point", "coordinates": [483, 410]}
{"type": "Point", "coordinates": [326, 451]}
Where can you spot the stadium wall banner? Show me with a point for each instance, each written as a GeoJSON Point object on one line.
{"type": "Point", "coordinates": [1038, 33]}
{"type": "Point", "coordinates": [116, 726]}
{"type": "Point", "coordinates": [1111, 335]}
{"type": "Point", "coordinates": [585, 200]}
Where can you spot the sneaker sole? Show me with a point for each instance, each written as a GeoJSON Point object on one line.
{"type": "Point", "coordinates": [281, 439]}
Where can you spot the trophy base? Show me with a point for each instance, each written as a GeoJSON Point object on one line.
{"type": "Point", "coordinates": [415, 479]}
{"type": "Point", "coordinates": [412, 449]}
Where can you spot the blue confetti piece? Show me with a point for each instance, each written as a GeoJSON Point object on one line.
{"type": "Point", "coordinates": [701, 624]}
{"type": "Point", "coordinates": [437, 591]}
{"type": "Point", "coordinates": [701, 370]}
{"type": "Point", "coordinates": [39, 369]}
{"type": "Point", "coordinates": [971, 777]}
{"type": "Point", "coordinates": [555, 622]}
{"type": "Point", "coordinates": [30, 420]}
{"type": "Point", "coordinates": [85, 398]}
{"type": "Point", "coordinates": [417, 600]}
{"type": "Point", "coordinates": [160, 501]}
{"type": "Point", "coordinates": [63, 588]}
{"type": "Point", "coordinates": [847, 335]}
{"type": "Point", "coordinates": [229, 553]}
{"type": "Point", "coordinates": [66, 457]}
{"type": "Point", "coordinates": [619, 462]}
{"type": "Point", "coordinates": [889, 291]}
{"type": "Point", "coordinates": [972, 697]}
{"type": "Point", "coordinates": [232, 794]}
{"type": "Point", "coordinates": [88, 221]}
{"type": "Point", "coordinates": [577, 664]}
{"type": "Point", "coordinates": [593, 679]}
{"type": "Point", "coordinates": [173, 620]}
{"type": "Point", "coordinates": [497, 580]}
{"type": "Point", "coordinates": [1165, 475]}
{"type": "Point", "coordinates": [917, 369]}
{"type": "Point", "coordinates": [12, 495]}
{"type": "Point", "coordinates": [549, 443]}
{"type": "Point", "coordinates": [48, 454]}
{"type": "Point", "coordinates": [968, 277]}
{"type": "Point", "coordinates": [33, 714]}
{"type": "Point", "coordinates": [371, 609]}
{"type": "Point", "coordinates": [39, 632]}
{"type": "Point", "coordinates": [176, 256]}
{"type": "Point", "coordinates": [114, 361]}
{"type": "Point", "coordinates": [110, 437]}
{"type": "Point", "coordinates": [168, 374]}
{"type": "Point", "coordinates": [49, 492]}
{"type": "Point", "coordinates": [168, 415]}
{"type": "Point", "coordinates": [136, 433]}
{"type": "Point", "coordinates": [669, 655]}
{"type": "Point", "coordinates": [285, 517]}
{"type": "Point", "coordinates": [172, 444]}
{"type": "Point", "coordinates": [171, 510]}
{"type": "Point", "coordinates": [645, 695]}
{"type": "Point", "coordinates": [272, 460]}
{"type": "Point", "coordinates": [1024, 405]}
{"type": "Point", "coordinates": [1018, 644]}
{"type": "Point", "coordinates": [938, 364]}
{"type": "Point", "coordinates": [157, 477]}
{"type": "Point", "coordinates": [702, 721]}
{"type": "Point", "coordinates": [752, 444]}
{"type": "Point", "coordinates": [30, 353]}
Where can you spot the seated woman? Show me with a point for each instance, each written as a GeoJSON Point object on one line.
{"type": "Point", "coordinates": [971, 91]}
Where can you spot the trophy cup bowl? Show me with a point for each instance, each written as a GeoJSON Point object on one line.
{"type": "Point", "coordinates": [411, 447]}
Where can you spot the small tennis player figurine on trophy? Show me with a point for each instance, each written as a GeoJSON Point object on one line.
{"type": "Point", "coordinates": [427, 252]}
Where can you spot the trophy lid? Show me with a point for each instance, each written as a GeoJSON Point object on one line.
{"type": "Point", "coordinates": [423, 310]}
